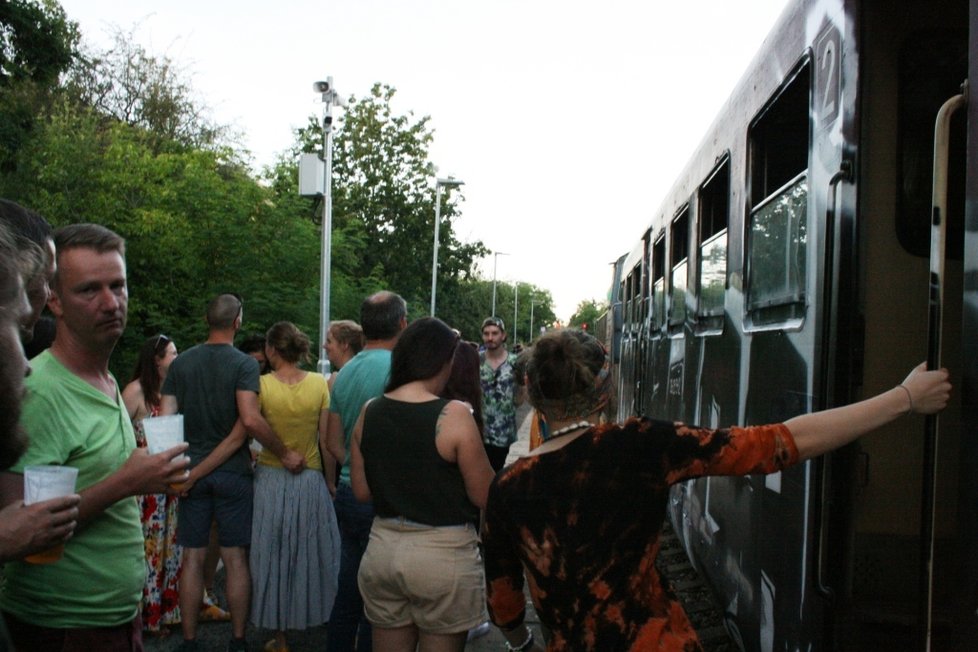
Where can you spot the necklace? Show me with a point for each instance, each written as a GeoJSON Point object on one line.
{"type": "Point", "coordinates": [570, 428]}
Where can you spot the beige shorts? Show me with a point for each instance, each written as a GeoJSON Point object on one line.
{"type": "Point", "coordinates": [431, 577]}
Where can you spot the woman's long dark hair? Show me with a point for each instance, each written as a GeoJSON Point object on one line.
{"type": "Point", "coordinates": [146, 371]}
{"type": "Point", "coordinates": [422, 350]}
{"type": "Point", "coordinates": [464, 383]}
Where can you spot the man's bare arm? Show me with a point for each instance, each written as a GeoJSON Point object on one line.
{"type": "Point", "coordinates": [250, 415]}
{"type": "Point", "coordinates": [228, 446]}
{"type": "Point", "coordinates": [29, 529]}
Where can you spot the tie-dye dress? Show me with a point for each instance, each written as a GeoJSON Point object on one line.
{"type": "Point", "coordinates": [583, 522]}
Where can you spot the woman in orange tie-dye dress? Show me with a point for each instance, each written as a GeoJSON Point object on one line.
{"type": "Point", "coordinates": [580, 516]}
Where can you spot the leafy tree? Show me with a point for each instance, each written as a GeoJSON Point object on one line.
{"type": "Point", "coordinates": [383, 203]}
{"type": "Point", "coordinates": [127, 83]}
{"type": "Point", "coordinates": [587, 314]}
{"type": "Point", "coordinates": [37, 44]}
{"type": "Point", "coordinates": [471, 302]}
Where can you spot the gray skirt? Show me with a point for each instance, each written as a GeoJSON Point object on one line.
{"type": "Point", "coordinates": [295, 550]}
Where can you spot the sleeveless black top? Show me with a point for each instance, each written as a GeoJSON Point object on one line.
{"type": "Point", "coordinates": [406, 475]}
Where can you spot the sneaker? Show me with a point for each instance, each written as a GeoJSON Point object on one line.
{"type": "Point", "coordinates": [478, 630]}
{"type": "Point", "coordinates": [210, 611]}
{"type": "Point", "coordinates": [273, 646]}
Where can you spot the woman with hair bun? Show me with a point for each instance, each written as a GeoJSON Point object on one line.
{"type": "Point", "coordinates": [295, 542]}
{"type": "Point", "coordinates": [581, 514]}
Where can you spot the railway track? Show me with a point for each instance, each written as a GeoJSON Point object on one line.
{"type": "Point", "coordinates": [696, 597]}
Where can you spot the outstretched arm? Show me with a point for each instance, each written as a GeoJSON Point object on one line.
{"type": "Point", "coordinates": [922, 392]}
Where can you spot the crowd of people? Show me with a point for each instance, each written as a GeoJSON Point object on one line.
{"type": "Point", "coordinates": [379, 501]}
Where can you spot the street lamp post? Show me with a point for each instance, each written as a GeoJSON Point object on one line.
{"type": "Point", "coordinates": [532, 303]}
{"type": "Point", "coordinates": [329, 97]}
{"type": "Point", "coordinates": [450, 182]}
{"type": "Point", "coordinates": [495, 258]}
{"type": "Point", "coordinates": [516, 309]}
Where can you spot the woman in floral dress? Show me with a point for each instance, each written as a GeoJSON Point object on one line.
{"type": "Point", "coordinates": [159, 511]}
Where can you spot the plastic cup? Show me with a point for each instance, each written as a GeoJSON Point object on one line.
{"type": "Point", "coordinates": [163, 432]}
{"type": "Point", "coordinates": [44, 483]}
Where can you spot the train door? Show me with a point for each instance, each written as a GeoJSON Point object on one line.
{"type": "Point", "coordinates": [911, 61]}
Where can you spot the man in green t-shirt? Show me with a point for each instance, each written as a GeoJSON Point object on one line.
{"type": "Point", "coordinates": [74, 416]}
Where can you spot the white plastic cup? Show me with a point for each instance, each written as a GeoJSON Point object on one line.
{"type": "Point", "coordinates": [163, 433]}
{"type": "Point", "coordinates": [46, 482]}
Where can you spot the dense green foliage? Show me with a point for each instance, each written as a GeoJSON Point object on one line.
{"type": "Point", "coordinates": [587, 314]}
{"type": "Point", "coordinates": [115, 138]}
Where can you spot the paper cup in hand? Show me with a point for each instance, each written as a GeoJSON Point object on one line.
{"type": "Point", "coordinates": [44, 483]}
{"type": "Point", "coordinates": [163, 432]}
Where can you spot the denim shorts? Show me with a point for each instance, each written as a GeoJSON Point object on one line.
{"type": "Point", "coordinates": [221, 496]}
{"type": "Point", "coordinates": [431, 577]}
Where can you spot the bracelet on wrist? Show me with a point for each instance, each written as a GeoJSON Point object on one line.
{"type": "Point", "coordinates": [909, 398]}
{"type": "Point", "coordinates": [525, 645]}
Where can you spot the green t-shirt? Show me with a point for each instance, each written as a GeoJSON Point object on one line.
{"type": "Point", "coordinates": [361, 379]}
{"type": "Point", "coordinates": [99, 581]}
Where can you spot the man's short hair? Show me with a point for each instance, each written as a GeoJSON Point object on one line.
{"type": "Point", "coordinates": [381, 315]}
{"type": "Point", "coordinates": [223, 310]}
{"type": "Point", "coordinates": [86, 236]}
{"type": "Point", "coordinates": [27, 233]}
{"type": "Point", "coordinates": [89, 236]}
{"type": "Point", "coordinates": [24, 224]}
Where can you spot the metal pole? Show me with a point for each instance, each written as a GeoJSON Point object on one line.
{"type": "Point", "coordinates": [323, 365]}
{"type": "Point", "coordinates": [495, 258]}
{"type": "Point", "coordinates": [434, 259]}
{"type": "Point", "coordinates": [516, 304]}
{"type": "Point", "coordinates": [532, 303]}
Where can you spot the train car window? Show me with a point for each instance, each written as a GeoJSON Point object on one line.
{"type": "Point", "coordinates": [678, 258]}
{"type": "Point", "coordinates": [932, 67]}
{"type": "Point", "coordinates": [777, 236]}
{"type": "Point", "coordinates": [646, 263]}
{"type": "Point", "coordinates": [658, 285]}
{"type": "Point", "coordinates": [713, 215]}
{"type": "Point", "coordinates": [629, 303]}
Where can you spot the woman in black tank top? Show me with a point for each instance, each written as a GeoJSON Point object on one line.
{"type": "Point", "coordinates": [420, 459]}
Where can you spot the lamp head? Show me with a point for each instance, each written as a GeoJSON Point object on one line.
{"type": "Point", "coordinates": [450, 182]}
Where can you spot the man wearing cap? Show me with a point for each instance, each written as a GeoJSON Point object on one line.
{"type": "Point", "coordinates": [500, 392]}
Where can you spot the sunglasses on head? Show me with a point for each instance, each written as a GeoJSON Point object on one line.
{"type": "Point", "coordinates": [162, 341]}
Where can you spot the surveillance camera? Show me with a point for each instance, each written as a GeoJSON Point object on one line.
{"type": "Point", "coordinates": [320, 86]}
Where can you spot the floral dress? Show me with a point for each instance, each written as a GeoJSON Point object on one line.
{"type": "Point", "coordinates": [582, 522]}
{"type": "Point", "coordinates": [159, 516]}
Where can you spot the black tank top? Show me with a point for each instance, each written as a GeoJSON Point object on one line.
{"type": "Point", "coordinates": [406, 475]}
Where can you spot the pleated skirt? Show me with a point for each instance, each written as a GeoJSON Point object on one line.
{"type": "Point", "coordinates": [295, 550]}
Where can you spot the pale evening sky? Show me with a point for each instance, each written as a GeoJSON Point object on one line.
{"type": "Point", "coordinates": [567, 120]}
